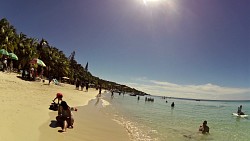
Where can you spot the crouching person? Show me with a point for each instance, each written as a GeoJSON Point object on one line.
{"type": "Point", "coordinates": [65, 117]}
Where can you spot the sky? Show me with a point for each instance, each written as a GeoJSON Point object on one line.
{"type": "Point", "coordinates": [178, 48]}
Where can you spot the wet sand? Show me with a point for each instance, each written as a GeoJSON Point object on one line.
{"type": "Point", "coordinates": [25, 114]}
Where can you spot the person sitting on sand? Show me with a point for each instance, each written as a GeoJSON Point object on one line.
{"type": "Point", "coordinates": [239, 111]}
{"type": "Point", "coordinates": [204, 128]}
{"type": "Point", "coordinates": [65, 117]}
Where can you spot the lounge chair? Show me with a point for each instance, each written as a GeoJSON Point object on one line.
{"type": "Point", "coordinates": [56, 82]}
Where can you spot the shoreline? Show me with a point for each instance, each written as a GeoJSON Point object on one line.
{"type": "Point", "coordinates": [26, 115]}
{"type": "Point", "coordinates": [197, 99]}
{"type": "Point", "coordinates": [91, 124]}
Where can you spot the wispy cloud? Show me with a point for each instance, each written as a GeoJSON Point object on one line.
{"type": "Point", "coordinates": [206, 91]}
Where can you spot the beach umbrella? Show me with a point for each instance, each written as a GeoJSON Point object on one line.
{"type": "Point", "coordinates": [37, 61]}
{"type": "Point", "coordinates": [13, 56]}
{"type": "Point", "coordinates": [4, 52]}
{"type": "Point", "coordinates": [65, 77]}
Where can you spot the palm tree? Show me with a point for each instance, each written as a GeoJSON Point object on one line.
{"type": "Point", "coordinates": [7, 36]}
{"type": "Point", "coordinates": [57, 63]}
{"type": "Point", "coordinates": [26, 49]}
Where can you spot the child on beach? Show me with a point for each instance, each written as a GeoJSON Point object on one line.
{"type": "Point", "coordinates": [59, 97]}
{"type": "Point", "coordinates": [54, 105]}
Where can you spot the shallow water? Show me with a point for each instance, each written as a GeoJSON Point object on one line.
{"type": "Point", "coordinates": [157, 121]}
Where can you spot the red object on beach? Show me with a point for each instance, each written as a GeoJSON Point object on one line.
{"type": "Point", "coordinates": [59, 95]}
{"type": "Point", "coordinates": [37, 61]}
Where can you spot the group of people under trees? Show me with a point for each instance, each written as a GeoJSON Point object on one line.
{"type": "Point", "coordinates": [4, 63]}
{"type": "Point", "coordinates": [28, 72]}
{"type": "Point", "coordinates": [32, 73]}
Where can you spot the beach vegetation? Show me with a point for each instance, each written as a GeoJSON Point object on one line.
{"type": "Point", "coordinates": [58, 65]}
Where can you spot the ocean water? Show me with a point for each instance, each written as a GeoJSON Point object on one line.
{"type": "Point", "coordinates": [157, 121]}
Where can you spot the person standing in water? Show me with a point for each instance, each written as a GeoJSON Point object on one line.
{"type": "Point", "coordinates": [204, 128]}
{"type": "Point", "coordinates": [172, 105]}
{"type": "Point", "coordinates": [100, 90]}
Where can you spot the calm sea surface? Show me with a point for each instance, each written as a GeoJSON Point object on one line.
{"type": "Point", "coordinates": [157, 121]}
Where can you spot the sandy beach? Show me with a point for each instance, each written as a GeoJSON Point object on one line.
{"type": "Point", "coordinates": [25, 114]}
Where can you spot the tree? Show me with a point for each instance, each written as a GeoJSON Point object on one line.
{"type": "Point", "coordinates": [57, 63]}
{"type": "Point", "coordinates": [7, 36]}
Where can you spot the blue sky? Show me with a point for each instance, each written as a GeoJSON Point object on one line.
{"type": "Point", "coordinates": [184, 48]}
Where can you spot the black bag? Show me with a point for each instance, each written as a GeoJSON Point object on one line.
{"type": "Point", "coordinates": [53, 107]}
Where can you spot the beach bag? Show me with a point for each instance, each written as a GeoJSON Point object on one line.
{"type": "Point", "coordinates": [53, 107]}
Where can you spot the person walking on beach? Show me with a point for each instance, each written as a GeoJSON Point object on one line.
{"type": "Point", "coordinates": [77, 84]}
{"type": "Point", "coordinates": [112, 94]}
{"type": "Point", "coordinates": [65, 117]}
{"type": "Point", "coordinates": [82, 85]}
{"type": "Point", "coordinates": [50, 79]}
{"type": "Point", "coordinates": [87, 86]}
{"type": "Point", "coordinates": [204, 128]}
{"type": "Point", "coordinates": [100, 90]}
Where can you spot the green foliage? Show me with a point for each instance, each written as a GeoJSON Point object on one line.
{"type": "Point", "coordinates": [57, 64]}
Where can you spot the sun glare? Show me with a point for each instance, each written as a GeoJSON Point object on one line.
{"type": "Point", "coordinates": [168, 4]}
{"type": "Point", "coordinates": [148, 1]}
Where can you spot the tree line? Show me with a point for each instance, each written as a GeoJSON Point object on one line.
{"type": "Point", "coordinates": [57, 63]}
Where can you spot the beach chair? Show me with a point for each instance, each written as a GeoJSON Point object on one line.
{"type": "Point", "coordinates": [56, 82]}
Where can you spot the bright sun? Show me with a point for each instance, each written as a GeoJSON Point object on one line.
{"type": "Point", "coordinates": [147, 1]}
{"type": "Point", "coordinates": [170, 4]}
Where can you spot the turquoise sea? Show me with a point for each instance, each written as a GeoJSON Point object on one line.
{"type": "Point", "coordinates": [157, 121]}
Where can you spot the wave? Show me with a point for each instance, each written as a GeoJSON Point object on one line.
{"type": "Point", "coordinates": [215, 100]}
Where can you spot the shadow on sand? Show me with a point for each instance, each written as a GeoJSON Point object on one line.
{"type": "Point", "coordinates": [53, 124]}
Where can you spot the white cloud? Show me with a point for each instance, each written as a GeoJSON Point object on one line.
{"type": "Point", "coordinates": [206, 91]}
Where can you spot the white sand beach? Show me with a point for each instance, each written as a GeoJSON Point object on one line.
{"type": "Point", "coordinates": [25, 114]}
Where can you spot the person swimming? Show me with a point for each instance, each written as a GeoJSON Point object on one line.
{"type": "Point", "coordinates": [240, 111]}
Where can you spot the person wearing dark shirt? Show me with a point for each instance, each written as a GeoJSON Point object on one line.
{"type": "Point", "coordinates": [204, 128]}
